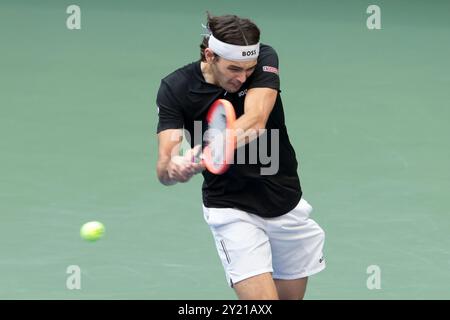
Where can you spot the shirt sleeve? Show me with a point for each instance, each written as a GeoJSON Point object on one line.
{"type": "Point", "coordinates": [170, 115]}
{"type": "Point", "coordinates": [266, 72]}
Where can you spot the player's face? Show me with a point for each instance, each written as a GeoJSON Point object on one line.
{"type": "Point", "coordinates": [231, 75]}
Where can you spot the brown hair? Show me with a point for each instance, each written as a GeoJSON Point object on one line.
{"type": "Point", "coordinates": [230, 29]}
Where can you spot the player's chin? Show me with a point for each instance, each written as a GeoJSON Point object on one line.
{"type": "Point", "coordinates": [232, 88]}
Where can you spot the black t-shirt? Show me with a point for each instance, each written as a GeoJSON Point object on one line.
{"type": "Point", "coordinates": [184, 97]}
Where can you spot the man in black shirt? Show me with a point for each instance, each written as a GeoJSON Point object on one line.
{"type": "Point", "coordinates": [266, 241]}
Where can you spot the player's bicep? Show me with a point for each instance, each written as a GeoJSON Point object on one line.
{"type": "Point", "coordinates": [170, 114]}
{"type": "Point", "coordinates": [259, 103]}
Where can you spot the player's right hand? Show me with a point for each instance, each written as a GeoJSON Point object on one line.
{"type": "Point", "coordinates": [182, 168]}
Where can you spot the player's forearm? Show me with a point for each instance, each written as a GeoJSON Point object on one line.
{"type": "Point", "coordinates": [259, 103]}
{"type": "Point", "coordinates": [247, 128]}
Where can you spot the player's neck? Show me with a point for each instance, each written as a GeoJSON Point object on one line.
{"type": "Point", "coordinates": [207, 73]}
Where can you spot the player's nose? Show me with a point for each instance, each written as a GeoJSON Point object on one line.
{"type": "Point", "coordinates": [242, 77]}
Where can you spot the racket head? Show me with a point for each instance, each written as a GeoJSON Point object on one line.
{"type": "Point", "coordinates": [218, 154]}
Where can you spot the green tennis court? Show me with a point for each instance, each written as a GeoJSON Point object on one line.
{"type": "Point", "coordinates": [368, 114]}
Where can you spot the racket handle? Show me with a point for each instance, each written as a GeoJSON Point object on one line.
{"type": "Point", "coordinates": [197, 156]}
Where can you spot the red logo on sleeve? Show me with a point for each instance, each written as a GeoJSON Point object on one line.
{"type": "Point", "coordinates": [270, 69]}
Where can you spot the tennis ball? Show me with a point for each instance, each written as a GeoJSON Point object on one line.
{"type": "Point", "coordinates": [92, 231]}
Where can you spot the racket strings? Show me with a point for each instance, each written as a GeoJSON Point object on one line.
{"type": "Point", "coordinates": [217, 134]}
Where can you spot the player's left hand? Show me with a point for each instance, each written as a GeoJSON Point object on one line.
{"type": "Point", "coordinates": [193, 156]}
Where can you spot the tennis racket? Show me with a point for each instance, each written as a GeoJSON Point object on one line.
{"type": "Point", "coordinates": [218, 152]}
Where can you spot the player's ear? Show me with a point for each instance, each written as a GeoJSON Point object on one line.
{"type": "Point", "coordinates": [209, 55]}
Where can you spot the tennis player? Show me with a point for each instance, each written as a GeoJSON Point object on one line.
{"type": "Point", "coordinates": [264, 235]}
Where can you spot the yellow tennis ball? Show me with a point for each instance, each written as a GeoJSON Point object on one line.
{"type": "Point", "coordinates": [92, 231]}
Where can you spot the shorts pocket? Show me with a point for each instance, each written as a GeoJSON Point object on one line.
{"type": "Point", "coordinates": [303, 210]}
{"type": "Point", "coordinates": [216, 217]}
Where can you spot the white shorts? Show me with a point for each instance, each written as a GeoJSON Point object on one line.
{"type": "Point", "coordinates": [289, 246]}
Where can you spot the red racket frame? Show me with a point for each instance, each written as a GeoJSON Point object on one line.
{"type": "Point", "coordinates": [230, 137]}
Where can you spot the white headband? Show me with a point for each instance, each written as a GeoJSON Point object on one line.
{"type": "Point", "coordinates": [233, 52]}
